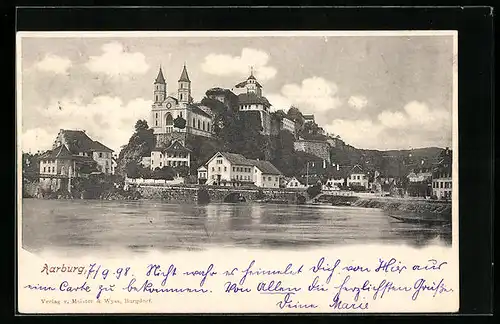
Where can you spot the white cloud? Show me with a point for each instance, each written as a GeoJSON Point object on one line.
{"type": "Point", "coordinates": [357, 102]}
{"type": "Point", "coordinates": [36, 139]}
{"type": "Point", "coordinates": [415, 126]}
{"type": "Point", "coordinates": [53, 63]}
{"type": "Point", "coordinates": [313, 96]}
{"type": "Point", "coordinates": [106, 119]}
{"type": "Point", "coordinates": [393, 119]}
{"type": "Point", "coordinates": [116, 62]}
{"type": "Point", "coordinates": [223, 64]}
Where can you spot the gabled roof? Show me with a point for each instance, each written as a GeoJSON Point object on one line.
{"type": "Point", "coordinates": [60, 152]}
{"type": "Point", "coordinates": [357, 169]}
{"type": "Point", "coordinates": [300, 180]}
{"type": "Point", "coordinates": [266, 167]}
{"type": "Point", "coordinates": [160, 78]}
{"type": "Point", "coordinates": [202, 168]}
{"type": "Point", "coordinates": [184, 75]}
{"type": "Point", "coordinates": [252, 98]}
{"type": "Point", "coordinates": [177, 147]}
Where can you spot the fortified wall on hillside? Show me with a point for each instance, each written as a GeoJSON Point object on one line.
{"type": "Point", "coordinates": [317, 148]}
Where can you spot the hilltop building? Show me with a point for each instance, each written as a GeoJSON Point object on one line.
{"type": "Point", "coordinates": [73, 155]}
{"type": "Point", "coordinates": [231, 169]}
{"type": "Point", "coordinates": [252, 100]}
{"type": "Point", "coordinates": [165, 109]}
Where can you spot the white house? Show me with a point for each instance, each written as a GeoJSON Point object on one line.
{"type": "Point", "coordinates": [202, 174]}
{"type": "Point", "coordinates": [231, 169]}
{"type": "Point", "coordinates": [295, 183]}
{"type": "Point", "coordinates": [357, 177]}
{"type": "Point", "coordinates": [265, 174]}
{"type": "Point", "coordinates": [175, 155]}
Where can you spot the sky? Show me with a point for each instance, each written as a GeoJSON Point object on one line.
{"type": "Point", "coordinates": [376, 92]}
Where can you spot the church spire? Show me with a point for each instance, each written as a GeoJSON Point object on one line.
{"type": "Point", "coordinates": [184, 75]}
{"type": "Point", "coordinates": [160, 78]}
{"type": "Point", "coordinates": [251, 74]}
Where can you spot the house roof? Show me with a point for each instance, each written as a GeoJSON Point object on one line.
{"type": "Point", "coordinates": [252, 98]}
{"type": "Point", "coordinates": [235, 158]}
{"type": "Point", "coordinates": [98, 146]}
{"type": "Point", "coordinates": [78, 141]}
{"type": "Point", "coordinates": [177, 147]}
{"type": "Point", "coordinates": [266, 167]}
{"type": "Point", "coordinates": [60, 152]}
{"type": "Point", "coordinates": [197, 110]}
{"type": "Point", "coordinates": [184, 75]}
{"type": "Point", "coordinates": [202, 168]}
{"type": "Point", "coordinates": [300, 180]}
{"type": "Point", "coordinates": [160, 78]}
{"type": "Point", "coordinates": [356, 169]}
{"type": "Point", "coordinates": [340, 173]}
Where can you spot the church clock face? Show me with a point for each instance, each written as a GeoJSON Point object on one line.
{"type": "Point", "coordinates": [169, 105]}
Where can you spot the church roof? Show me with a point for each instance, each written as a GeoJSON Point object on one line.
{"type": "Point", "coordinates": [252, 98]}
{"type": "Point", "coordinates": [160, 78]}
{"type": "Point", "coordinates": [184, 75]}
{"type": "Point", "coordinates": [197, 110]}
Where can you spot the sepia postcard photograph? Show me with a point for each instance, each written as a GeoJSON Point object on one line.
{"type": "Point", "coordinates": [237, 172]}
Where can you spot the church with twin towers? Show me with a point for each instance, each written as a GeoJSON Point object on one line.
{"type": "Point", "coordinates": [174, 117]}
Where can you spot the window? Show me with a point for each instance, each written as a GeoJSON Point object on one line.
{"type": "Point", "coordinates": [169, 163]}
{"type": "Point", "coordinates": [199, 124]}
{"type": "Point", "coordinates": [218, 169]}
{"type": "Point", "coordinates": [160, 164]}
{"type": "Point", "coordinates": [450, 185]}
{"type": "Point", "coordinates": [181, 114]}
{"type": "Point", "coordinates": [175, 163]}
{"type": "Point", "coordinates": [269, 179]}
{"type": "Point", "coordinates": [234, 169]}
{"type": "Point", "coordinates": [181, 97]}
{"type": "Point", "coordinates": [208, 127]}
{"type": "Point", "coordinates": [53, 170]}
{"type": "Point", "coordinates": [203, 125]}
{"type": "Point", "coordinates": [194, 122]}
{"type": "Point", "coordinates": [225, 169]}
{"type": "Point", "coordinates": [213, 169]}
{"type": "Point", "coordinates": [44, 169]}
{"type": "Point", "coordinates": [276, 178]}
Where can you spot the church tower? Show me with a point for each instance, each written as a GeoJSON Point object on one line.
{"type": "Point", "coordinates": [184, 90]}
{"type": "Point", "coordinates": [160, 92]}
{"type": "Point", "coordinates": [252, 85]}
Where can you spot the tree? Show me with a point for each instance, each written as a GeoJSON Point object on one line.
{"type": "Point", "coordinates": [180, 122]}
{"type": "Point", "coordinates": [314, 190]}
{"type": "Point", "coordinates": [141, 125]}
{"type": "Point", "coordinates": [182, 170]}
{"type": "Point", "coordinates": [166, 173]}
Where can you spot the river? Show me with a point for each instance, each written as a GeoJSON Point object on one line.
{"type": "Point", "coordinates": [139, 226]}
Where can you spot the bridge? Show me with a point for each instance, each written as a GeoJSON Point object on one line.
{"type": "Point", "coordinates": [207, 194]}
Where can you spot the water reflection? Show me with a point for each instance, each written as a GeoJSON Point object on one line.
{"type": "Point", "coordinates": [142, 225]}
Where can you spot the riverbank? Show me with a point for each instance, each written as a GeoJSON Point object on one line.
{"type": "Point", "coordinates": [191, 195]}
{"type": "Point", "coordinates": [396, 205]}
